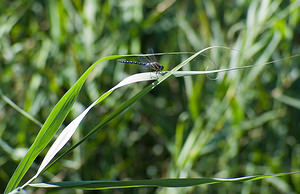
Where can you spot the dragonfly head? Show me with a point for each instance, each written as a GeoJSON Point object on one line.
{"type": "Point", "coordinates": [161, 67]}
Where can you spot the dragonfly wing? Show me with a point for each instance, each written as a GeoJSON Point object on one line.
{"type": "Point", "coordinates": [151, 57]}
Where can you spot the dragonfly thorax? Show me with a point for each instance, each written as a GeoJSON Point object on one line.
{"type": "Point", "coordinates": [155, 66]}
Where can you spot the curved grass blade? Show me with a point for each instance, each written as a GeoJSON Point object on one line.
{"type": "Point", "coordinates": [20, 110]}
{"type": "Point", "coordinates": [53, 122]}
{"type": "Point", "coordinates": [178, 182]}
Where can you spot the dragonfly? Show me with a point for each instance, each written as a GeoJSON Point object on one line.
{"type": "Point", "coordinates": [151, 63]}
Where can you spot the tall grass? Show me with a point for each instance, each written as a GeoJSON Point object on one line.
{"type": "Point", "coordinates": [243, 123]}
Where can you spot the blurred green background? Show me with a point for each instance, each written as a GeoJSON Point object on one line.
{"type": "Point", "coordinates": [243, 123]}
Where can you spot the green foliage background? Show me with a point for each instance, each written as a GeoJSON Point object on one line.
{"type": "Point", "coordinates": [243, 123]}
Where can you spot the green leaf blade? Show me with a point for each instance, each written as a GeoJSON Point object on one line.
{"type": "Point", "coordinates": [178, 182]}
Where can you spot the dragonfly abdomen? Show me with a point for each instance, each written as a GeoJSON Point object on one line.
{"type": "Point", "coordinates": [134, 62]}
{"type": "Point", "coordinates": [154, 66]}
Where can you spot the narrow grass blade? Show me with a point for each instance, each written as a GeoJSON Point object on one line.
{"type": "Point", "coordinates": [179, 182]}
{"type": "Point", "coordinates": [277, 94]}
{"type": "Point", "coordinates": [20, 110]}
